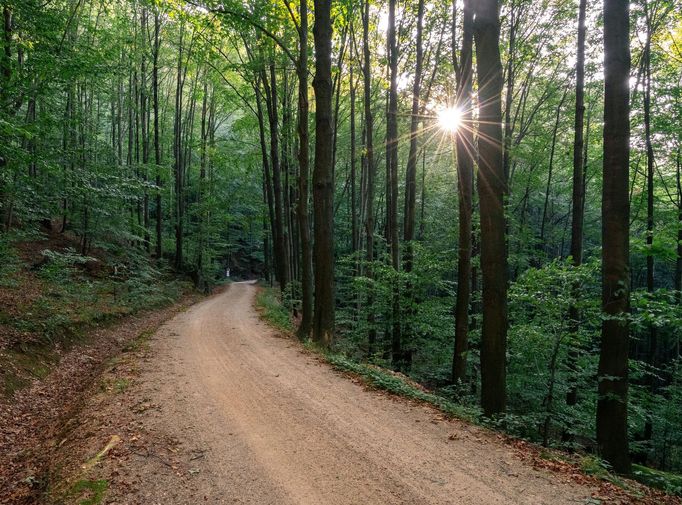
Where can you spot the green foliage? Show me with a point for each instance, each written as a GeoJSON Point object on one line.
{"type": "Point", "coordinates": [272, 310]}
{"type": "Point", "coordinates": [94, 490]}
{"type": "Point", "coordinates": [669, 482]}
{"type": "Point", "coordinates": [393, 383]}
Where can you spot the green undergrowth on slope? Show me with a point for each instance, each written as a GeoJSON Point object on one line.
{"type": "Point", "coordinates": [51, 296]}
{"type": "Point", "coordinates": [273, 312]}
{"type": "Point", "coordinates": [386, 380]}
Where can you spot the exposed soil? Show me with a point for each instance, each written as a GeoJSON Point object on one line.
{"type": "Point", "coordinates": [218, 408]}
{"type": "Point", "coordinates": [32, 419]}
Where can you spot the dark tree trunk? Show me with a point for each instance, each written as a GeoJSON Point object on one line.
{"type": "Point", "coordinates": [323, 186]}
{"type": "Point", "coordinates": [178, 162]}
{"type": "Point", "coordinates": [304, 169]}
{"type": "Point", "coordinates": [370, 172]}
{"type": "Point", "coordinates": [491, 189]}
{"type": "Point", "coordinates": [678, 262]}
{"type": "Point", "coordinates": [465, 172]}
{"type": "Point", "coordinates": [577, 202]}
{"type": "Point", "coordinates": [612, 428]}
{"type": "Point", "coordinates": [550, 170]}
{"type": "Point", "coordinates": [355, 239]}
{"type": "Point", "coordinates": [411, 172]}
{"type": "Point", "coordinates": [280, 238]}
{"type": "Point", "coordinates": [397, 356]}
{"type": "Point", "coordinates": [653, 336]}
{"type": "Point", "coordinates": [144, 128]}
{"type": "Point", "coordinates": [157, 141]}
{"type": "Point", "coordinates": [266, 171]}
{"type": "Point", "coordinates": [409, 224]}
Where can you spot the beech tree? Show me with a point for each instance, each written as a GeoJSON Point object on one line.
{"type": "Point", "coordinates": [612, 425]}
{"type": "Point", "coordinates": [491, 192]}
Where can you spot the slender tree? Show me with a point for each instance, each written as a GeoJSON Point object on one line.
{"type": "Point", "coordinates": [578, 195]}
{"type": "Point", "coordinates": [370, 169]}
{"type": "Point", "coordinates": [397, 355]}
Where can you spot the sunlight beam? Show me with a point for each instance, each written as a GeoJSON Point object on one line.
{"type": "Point", "coordinates": [450, 119]}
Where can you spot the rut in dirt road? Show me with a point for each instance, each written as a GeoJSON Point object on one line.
{"type": "Point", "coordinates": [283, 428]}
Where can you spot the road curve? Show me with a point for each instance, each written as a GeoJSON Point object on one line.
{"type": "Point", "coordinates": [277, 426]}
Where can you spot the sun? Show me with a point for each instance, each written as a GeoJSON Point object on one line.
{"type": "Point", "coordinates": [450, 119]}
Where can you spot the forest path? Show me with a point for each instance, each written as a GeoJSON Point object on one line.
{"type": "Point", "coordinates": [253, 418]}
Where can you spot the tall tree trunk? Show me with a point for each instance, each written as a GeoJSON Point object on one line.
{"type": "Point", "coordinates": [678, 262]}
{"type": "Point", "coordinates": [178, 155]}
{"type": "Point", "coordinates": [653, 337]}
{"type": "Point", "coordinates": [491, 189]}
{"type": "Point", "coordinates": [612, 428]}
{"type": "Point", "coordinates": [323, 186]}
{"type": "Point", "coordinates": [304, 170]}
{"type": "Point", "coordinates": [550, 170]}
{"type": "Point", "coordinates": [144, 127]}
{"type": "Point", "coordinates": [509, 92]}
{"type": "Point", "coordinates": [409, 224]}
{"type": "Point", "coordinates": [157, 140]}
{"type": "Point", "coordinates": [370, 172]}
{"type": "Point", "coordinates": [355, 239]}
{"type": "Point", "coordinates": [266, 171]}
{"type": "Point", "coordinates": [281, 250]}
{"type": "Point", "coordinates": [411, 172]}
{"type": "Point", "coordinates": [578, 199]}
{"type": "Point", "coordinates": [397, 355]}
{"type": "Point", "coordinates": [465, 172]}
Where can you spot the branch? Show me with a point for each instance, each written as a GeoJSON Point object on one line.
{"type": "Point", "coordinates": [252, 22]}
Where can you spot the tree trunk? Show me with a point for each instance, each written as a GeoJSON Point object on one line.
{"type": "Point", "coordinates": [612, 428]}
{"type": "Point", "coordinates": [653, 337]}
{"type": "Point", "coordinates": [397, 356]}
{"type": "Point", "coordinates": [465, 172]}
{"type": "Point", "coordinates": [370, 173]}
{"type": "Point", "coordinates": [550, 169]}
{"type": "Point", "coordinates": [281, 249]}
{"type": "Point", "coordinates": [157, 141]}
{"type": "Point", "coordinates": [323, 188]}
{"type": "Point", "coordinates": [577, 202]}
{"type": "Point", "coordinates": [411, 172]}
{"type": "Point", "coordinates": [304, 169]}
{"type": "Point", "coordinates": [178, 155]}
{"type": "Point", "coordinates": [144, 128]}
{"type": "Point", "coordinates": [491, 189]}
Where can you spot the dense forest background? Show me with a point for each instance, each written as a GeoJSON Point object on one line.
{"type": "Point", "coordinates": [191, 135]}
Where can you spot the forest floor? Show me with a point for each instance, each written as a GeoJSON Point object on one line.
{"type": "Point", "coordinates": [218, 407]}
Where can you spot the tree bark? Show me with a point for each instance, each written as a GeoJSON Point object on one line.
{"type": "Point", "coordinates": [578, 198]}
{"type": "Point", "coordinates": [323, 188]}
{"type": "Point", "coordinates": [281, 249]}
{"type": "Point", "coordinates": [178, 155]}
{"type": "Point", "coordinates": [370, 173]}
{"type": "Point", "coordinates": [157, 141]}
{"type": "Point", "coordinates": [304, 169]}
{"type": "Point", "coordinates": [491, 189]}
{"type": "Point", "coordinates": [465, 172]}
{"type": "Point", "coordinates": [612, 428]}
{"type": "Point", "coordinates": [397, 356]}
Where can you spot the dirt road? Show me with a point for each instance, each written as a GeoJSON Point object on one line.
{"type": "Point", "coordinates": [248, 417]}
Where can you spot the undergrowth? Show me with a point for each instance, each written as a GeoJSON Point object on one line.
{"type": "Point", "coordinates": [52, 297]}
{"type": "Point", "coordinates": [272, 311]}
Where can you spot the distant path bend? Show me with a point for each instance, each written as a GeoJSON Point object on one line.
{"type": "Point", "coordinates": [280, 427]}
